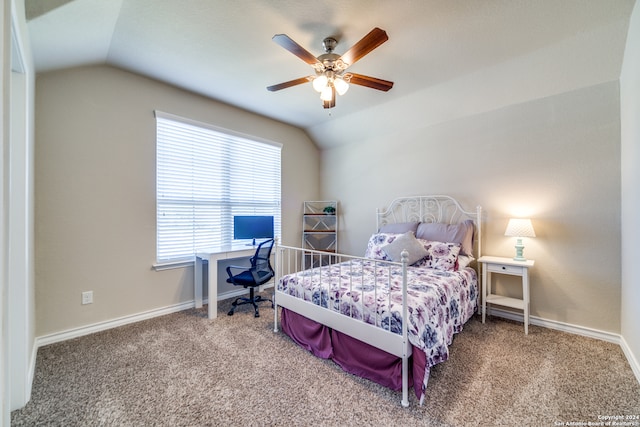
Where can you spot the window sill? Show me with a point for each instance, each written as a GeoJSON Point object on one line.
{"type": "Point", "coordinates": [170, 265]}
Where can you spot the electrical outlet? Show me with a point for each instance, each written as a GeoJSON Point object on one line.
{"type": "Point", "coordinates": [87, 297]}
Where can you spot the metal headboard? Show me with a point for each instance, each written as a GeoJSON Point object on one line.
{"type": "Point", "coordinates": [436, 209]}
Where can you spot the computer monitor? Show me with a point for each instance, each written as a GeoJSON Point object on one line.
{"type": "Point", "coordinates": [252, 227]}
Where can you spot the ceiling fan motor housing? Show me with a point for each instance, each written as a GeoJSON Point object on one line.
{"type": "Point", "coordinates": [329, 44]}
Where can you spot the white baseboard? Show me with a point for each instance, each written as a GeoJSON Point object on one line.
{"type": "Point", "coordinates": [577, 330]}
{"type": "Point", "coordinates": [560, 326]}
{"type": "Point", "coordinates": [108, 324]}
{"type": "Point", "coordinates": [635, 366]}
{"type": "Point", "coordinates": [125, 320]}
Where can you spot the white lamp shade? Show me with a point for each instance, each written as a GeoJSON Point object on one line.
{"type": "Point", "coordinates": [341, 86]}
{"type": "Point", "coordinates": [520, 228]}
{"type": "Point", "coordinates": [327, 93]}
{"type": "Point", "coordinates": [320, 82]}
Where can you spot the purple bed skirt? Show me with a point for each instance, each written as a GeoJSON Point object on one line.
{"type": "Point", "coordinates": [352, 355]}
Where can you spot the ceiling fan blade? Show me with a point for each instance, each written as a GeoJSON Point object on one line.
{"type": "Point", "coordinates": [372, 82]}
{"type": "Point", "coordinates": [286, 42]}
{"type": "Point", "coordinates": [290, 83]}
{"type": "Point", "coordinates": [369, 42]}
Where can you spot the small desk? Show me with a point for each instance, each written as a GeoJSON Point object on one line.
{"type": "Point", "coordinates": [212, 255]}
{"type": "Point", "coordinates": [510, 266]}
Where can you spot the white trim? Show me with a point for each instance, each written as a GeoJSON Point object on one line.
{"type": "Point", "coordinates": [169, 265]}
{"type": "Point", "coordinates": [109, 324]}
{"type": "Point", "coordinates": [17, 61]}
{"type": "Point", "coordinates": [635, 366]}
{"type": "Point", "coordinates": [125, 320]}
{"type": "Point", "coordinates": [559, 326]}
{"type": "Point", "coordinates": [576, 330]}
{"type": "Point", "coordinates": [176, 118]}
{"type": "Point", "coordinates": [102, 326]}
{"type": "Point", "coordinates": [31, 375]}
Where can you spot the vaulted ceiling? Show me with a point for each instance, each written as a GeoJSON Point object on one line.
{"type": "Point", "coordinates": [447, 58]}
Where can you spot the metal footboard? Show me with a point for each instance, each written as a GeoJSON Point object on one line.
{"type": "Point", "coordinates": [316, 264]}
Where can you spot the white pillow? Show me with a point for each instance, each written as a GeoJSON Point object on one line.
{"type": "Point", "coordinates": [408, 242]}
{"type": "Point", "coordinates": [464, 261]}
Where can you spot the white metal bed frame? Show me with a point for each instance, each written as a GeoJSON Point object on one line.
{"type": "Point", "coordinates": [430, 209]}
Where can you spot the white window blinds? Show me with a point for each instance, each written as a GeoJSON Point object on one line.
{"type": "Point", "coordinates": [205, 176]}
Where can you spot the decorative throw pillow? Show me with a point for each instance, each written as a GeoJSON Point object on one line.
{"type": "Point", "coordinates": [376, 242]}
{"type": "Point", "coordinates": [440, 255]}
{"type": "Point", "coordinates": [408, 242]}
{"type": "Point", "coordinates": [457, 233]}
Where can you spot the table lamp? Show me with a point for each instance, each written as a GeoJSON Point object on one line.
{"type": "Point", "coordinates": [519, 228]}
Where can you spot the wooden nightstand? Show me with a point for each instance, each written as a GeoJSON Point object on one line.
{"type": "Point", "coordinates": [492, 264]}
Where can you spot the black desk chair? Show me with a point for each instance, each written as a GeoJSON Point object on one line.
{"type": "Point", "coordinates": [258, 274]}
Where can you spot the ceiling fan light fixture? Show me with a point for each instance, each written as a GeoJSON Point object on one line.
{"type": "Point", "coordinates": [320, 83]}
{"type": "Point", "coordinates": [341, 86]}
{"type": "Point", "coordinates": [327, 93]}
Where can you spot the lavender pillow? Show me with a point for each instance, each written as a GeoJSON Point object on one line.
{"type": "Point", "coordinates": [399, 228]}
{"type": "Point", "coordinates": [457, 233]}
{"type": "Point", "coordinates": [440, 255]}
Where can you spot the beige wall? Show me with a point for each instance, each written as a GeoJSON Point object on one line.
{"type": "Point", "coordinates": [555, 159]}
{"type": "Point", "coordinates": [630, 136]}
{"type": "Point", "coordinates": [95, 191]}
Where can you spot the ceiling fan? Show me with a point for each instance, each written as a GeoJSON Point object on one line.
{"type": "Point", "coordinates": [331, 76]}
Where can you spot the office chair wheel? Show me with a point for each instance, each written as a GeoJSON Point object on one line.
{"type": "Point", "coordinates": [230, 313]}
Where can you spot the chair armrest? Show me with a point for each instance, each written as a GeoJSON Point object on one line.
{"type": "Point", "coordinates": [240, 267]}
{"type": "Point", "coordinates": [237, 269]}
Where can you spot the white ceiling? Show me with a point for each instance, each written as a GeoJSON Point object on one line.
{"type": "Point", "coordinates": [448, 58]}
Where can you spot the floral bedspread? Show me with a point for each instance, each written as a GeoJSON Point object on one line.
{"type": "Point", "coordinates": [439, 302]}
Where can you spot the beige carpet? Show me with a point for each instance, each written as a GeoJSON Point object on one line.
{"type": "Point", "coordinates": [184, 370]}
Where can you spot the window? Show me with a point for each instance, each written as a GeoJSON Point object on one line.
{"type": "Point", "coordinates": [205, 176]}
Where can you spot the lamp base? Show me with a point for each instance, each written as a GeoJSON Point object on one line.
{"type": "Point", "coordinates": [519, 250]}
